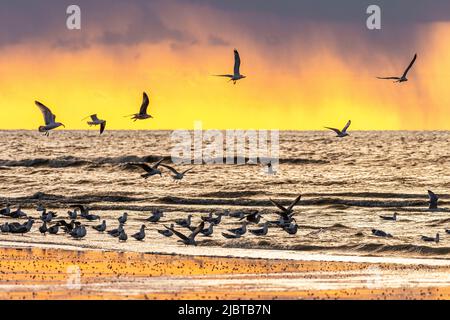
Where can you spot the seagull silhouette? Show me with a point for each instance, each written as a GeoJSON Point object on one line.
{"type": "Point", "coordinates": [403, 77]}
{"type": "Point", "coordinates": [177, 176]}
{"type": "Point", "coordinates": [188, 240]}
{"type": "Point", "coordinates": [343, 133]}
{"type": "Point", "coordinates": [142, 115]}
{"type": "Point", "coordinates": [236, 72]}
{"type": "Point", "coordinates": [286, 213]}
{"type": "Point", "coordinates": [49, 119]}
{"type": "Point", "coordinates": [95, 121]}
{"type": "Point", "coordinates": [151, 170]}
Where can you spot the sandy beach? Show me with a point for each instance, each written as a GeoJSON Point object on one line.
{"type": "Point", "coordinates": [35, 273]}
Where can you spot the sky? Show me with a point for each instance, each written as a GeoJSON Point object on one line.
{"type": "Point", "coordinates": [308, 63]}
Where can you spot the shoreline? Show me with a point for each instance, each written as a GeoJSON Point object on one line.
{"type": "Point", "coordinates": [50, 273]}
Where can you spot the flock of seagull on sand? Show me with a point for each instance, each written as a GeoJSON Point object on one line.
{"type": "Point", "coordinates": [76, 229]}
{"type": "Point", "coordinates": [52, 224]}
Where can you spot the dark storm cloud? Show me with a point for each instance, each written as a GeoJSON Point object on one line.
{"type": "Point", "coordinates": [118, 22]}
{"type": "Point", "coordinates": [44, 20]}
{"type": "Point", "coordinates": [400, 11]}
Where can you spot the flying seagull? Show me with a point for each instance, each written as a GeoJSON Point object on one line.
{"type": "Point", "coordinates": [236, 73]}
{"type": "Point", "coordinates": [97, 122]}
{"type": "Point", "coordinates": [151, 171]}
{"type": "Point", "coordinates": [49, 119]}
{"type": "Point", "coordinates": [433, 200]}
{"type": "Point", "coordinates": [142, 115]}
{"type": "Point", "coordinates": [403, 77]}
{"type": "Point", "coordinates": [286, 213]}
{"type": "Point", "coordinates": [190, 240]}
{"type": "Point", "coordinates": [177, 176]}
{"type": "Point", "coordinates": [343, 133]}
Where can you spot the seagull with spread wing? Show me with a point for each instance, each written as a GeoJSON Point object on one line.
{"type": "Point", "coordinates": [343, 133]}
{"type": "Point", "coordinates": [150, 170]}
{"type": "Point", "coordinates": [49, 119]}
{"type": "Point", "coordinates": [403, 77]}
{"type": "Point", "coordinates": [177, 176]}
{"type": "Point", "coordinates": [236, 73]}
{"type": "Point", "coordinates": [142, 115]}
{"type": "Point", "coordinates": [286, 213]}
{"type": "Point", "coordinates": [188, 240]}
{"type": "Point", "coordinates": [95, 121]}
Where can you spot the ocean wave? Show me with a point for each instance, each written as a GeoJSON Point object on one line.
{"type": "Point", "coordinates": [366, 248]}
{"type": "Point", "coordinates": [70, 161]}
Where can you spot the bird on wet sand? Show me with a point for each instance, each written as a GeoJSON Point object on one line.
{"type": "Point", "coordinates": [236, 76]}
{"type": "Point", "coordinates": [142, 115]}
{"type": "Point", "coordinates": [123, 219]}
{"type": "Point", "coordinates": [150, 170]}
{"type": "Point", "coordinates": [116, 232]}
{"type": "Point", "coordinates": [231, 236]}
{"type": "Point", "coordinates": [72, 214]}
{"type": "Point", "coordinates": [101, 227]}
{"type": "Point", "coordinates": [381, 233]}
{"type": "Point", "coordinates": [433, 200]}
{"type": "Point", "coordinates": [167, 232]}
{"type": "Point", "coordinates": [343, 133]}
{"type": "Point", "coordinates": [18, 213]}
{"type": "Point", "coordinates": [390, 218]}
{"type": "Point", "coordinates": [49, 119]}
{"type": "Point", "coordinates": [253, 217]}
{"type": "Point", "coordinates": [184, 222]}
{"type": "Point", "coordinates": [156, 216]}
{"type": "Point", "coordinates": [84, 213]}
{"type": "Point", "coordinates": [54, 229]}
{"type": "Point", "coordinates": [403, 77]}
{"type": "Point", "coordinates": [431, 239]}
{"type": "Point", "coordinates": [123, 237]}
{"type": "Point", "coordinates": [95, 121]}
{"type": "Point", "coordinates": [447, 231]}
{"type": "Point", "coordinates": [6, 211]}
{"type": "Point", "coordinates": [261, 232]}
{"type": "Point", "coordinates": [43, 228]}
{"type": "Point", "coordinates": [237, 214]}
{"type": "Point", "coordinates": [79, 232]}
{"type": "Point", "coordinates": [141, 234]}
{"type": "Point", "coordinates": [292, 228]}
{"type": "Point", "coordinates": [5, 227]}
{"type": "Point", "coordinates": [188, 240]}
{"type": "Point", "coordinates": [286, 213]}
{"type": "Point", "coordinates": [46, 217]}
{"type": "Point", "coordinates": [208, 231]}
{"type": "Point", "coordinates": [241, 230]}
{"type": "Point", "coordinates": [21, 229]}
{"type": "Point", "coordinates": [177, 176]}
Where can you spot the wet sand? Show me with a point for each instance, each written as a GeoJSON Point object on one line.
{"type": "Point", "coordinates": [36, 273]}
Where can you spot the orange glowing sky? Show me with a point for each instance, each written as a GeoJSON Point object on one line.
{"type": "Point", "coordinates": [302, 82]}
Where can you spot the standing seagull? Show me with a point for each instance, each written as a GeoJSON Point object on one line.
{"type": "Point", "coordinates": [343, 133]}
{"type": "Point", "coordinates": [433, 200]}
{"type": "Point", "coordinates": [403, 77]}
{"type": "Point", "coordinates": [97, 122]}
{"type": "Point", "coordinates": [142, 115]}
{"type": "Point", "coordinates": [140, 235]}
{"type": "Point", "coordinates": [49, 119]}
{"type": "Point", "coordinates": [151, 171]}
{"type": "Point", "coordinates": [236, 73]}
{"type": "Point", "coordinates": [177, 175]}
